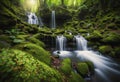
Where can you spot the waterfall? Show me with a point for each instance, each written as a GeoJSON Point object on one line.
{"type": "Point", "coordinates": [32, 18]}
{"type": "Point", "coordinates": [61, 42]}
{"type": "Point", "coordinates": [103, 65]}
{"type": "Point", "coordinates": [106, 70]}
{"type": "Point", "coordinates": [81, 42]}
{"type": "Point", "coordinates": [53, 21]}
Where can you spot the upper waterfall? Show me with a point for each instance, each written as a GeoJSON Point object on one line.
{"type": "Point", "coordinates": [32, 18]}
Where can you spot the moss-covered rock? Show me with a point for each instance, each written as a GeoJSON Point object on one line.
{"type": "Point", "coordinates": [90, 66]}
{"type": "Point", "coordinates": [105, 49]}
{"type": "Point", "coordinates": [75, 78]}
{"type": "Point", "coordinates": [37, 51]}
{"type": "Point", "coordinates": [82, 69]}
{"type": "Point", "coordinates": [66, 66]}
{"type": "Point", "coordinates": [19, 66]}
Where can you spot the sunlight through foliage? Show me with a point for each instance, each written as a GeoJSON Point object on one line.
{"type": "Point", "coordinates": [30, 5]}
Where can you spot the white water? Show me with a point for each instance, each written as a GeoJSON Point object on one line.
{"type": "Point", "coordinates": [81, 42]}
{"type": "Point", "coordinates": [61, 43]}
{"type": "Point", "coordinates": [105, 68]}
{"type": "Point", "coordinates": [53, 21]}
{"type": "Point", "coordinates": [32, 18]}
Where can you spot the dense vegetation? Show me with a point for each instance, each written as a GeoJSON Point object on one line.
{"type": "Point", "coordinates": [24, 48]}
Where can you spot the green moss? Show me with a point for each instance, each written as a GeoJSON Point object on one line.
{"type": "Point", "coordinates": [69, 37]}
{"type": "Point", "coordinates": [105, 49]}
{"type": "Point", "coordinates": [82, 31]}
{"type": "Point", "coordinates": [19, 66]}
{"type": "Point", "coordinates": [66, 66]}
{"type": "Point", "coordinates": [111, 38]}
{"type": "Point", "coordinates": [96, 35]}
{"type": "Point", "coordinates": [90, 66]}
{"type": "Point", "coordinates": [36, 41]}
{"type": "Point", "coordinates": [37, 51]}
{"type": "Point", "coordinates": [82, 68]}
{"type": "Point", "coordinates": [75, 78]}
{"type": "Point", "coordinates": [22, 37]}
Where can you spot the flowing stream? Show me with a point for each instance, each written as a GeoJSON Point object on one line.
{"type": "Point", "coordinates": [106, 70]}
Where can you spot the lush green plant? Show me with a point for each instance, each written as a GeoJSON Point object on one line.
{"type": "Point", "coordinates": [66, 66]}
{"type": "Point", "coordinates": [37, 51]}
{"type": "Point", "coordinates": [19, 66]}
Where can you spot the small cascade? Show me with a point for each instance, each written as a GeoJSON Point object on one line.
{"type": "Point", "coordinates": [103, 65]}
{"type": "Point", "coordinates": [32, 18]}
{"type": "Point", "coordinates": [61, 43]}
{"type": "Point", "coordinates": [81, 42]}
{"type": "Point", "coordinates": [53, 21]}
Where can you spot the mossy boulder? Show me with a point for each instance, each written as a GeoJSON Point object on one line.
{"type": "Point", "coordinates": [75, 78]}
{"type": "Point", "coordinates": [19, 66]}
{"type": "Point", "coordinates": [105, 49]}
{"type": "Point", "coordinates": [82, 69]}
{"type": "Point", "coordinates": [66, 66]}
{"type": "Point", "coordinates": [90, 66]}
{"type": "Point", "coordinates": [37, 51]}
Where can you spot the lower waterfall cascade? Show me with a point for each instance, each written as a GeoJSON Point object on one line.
{"type": "Point", "coordinates": [103, 66]}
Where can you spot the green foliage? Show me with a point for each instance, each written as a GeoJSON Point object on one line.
{"type": "Point", "coordinates": [111, 38]}
{"type": "Point", "coordinates": [37, 51]}
{"type": "Point", "coordinates": [53, 2]}
{"type": "Point", "coordinates": [82, 68]}
{"type": "Point", "coordinates": [75, 78]}
{"type": "Point", "coordinates": [66, 66]}
{"type": "Point", "coordinates": [19, 66]}
{"type": "Point", "coordinates": [96, 35]}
